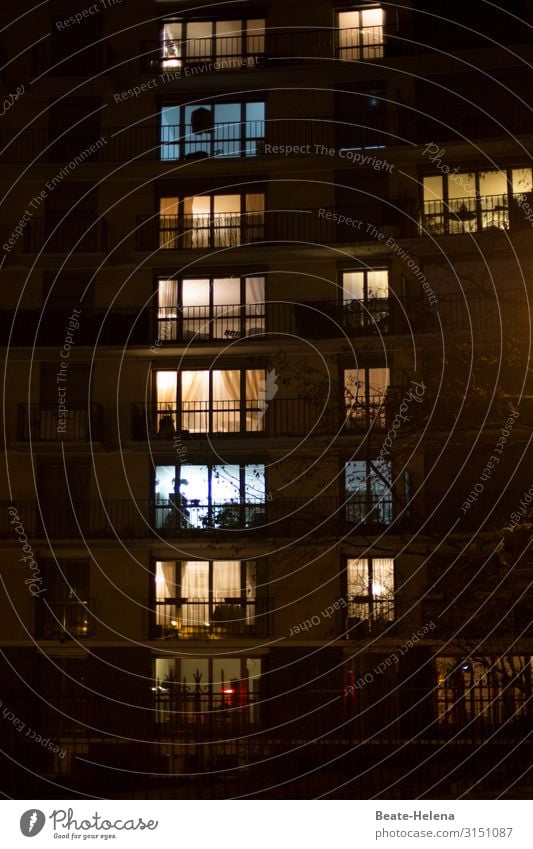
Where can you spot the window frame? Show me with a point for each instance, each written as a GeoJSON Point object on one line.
{"type": "Point", "coordinates": [209, 621]}
{"type": "Point", "coordinates": [372, 621]}
{"type": "Point", "coordinates": [359, 510]}
{"type": "Point", "coordinates": [177, 233]}
{"type": "Point", "coordinates": [361, 51]}
{"type": "Point", "coordinates": [243, 139]}
{"type": "Point", "coordinates": [175, 513]}
{"type": "Point", "coordinates": [247, 38]}
{"type": "Point", "coordinates": [241, 409]}
{"type": "Point", "coordinates": [246, 311]}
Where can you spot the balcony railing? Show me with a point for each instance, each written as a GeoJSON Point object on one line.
{"type": "Point", "coordinates": [63, 618]}
{"type": "Point", "coordinates": [129, 519]}
{"type": "Point", "coordinates": [183, 618]}
{"type": "Point", "coordinates": [470, 214]}
{"type": "Point", "coordinates": [319, 226]}
{"type": "Point", "coordinates": [352, 44]}
{"type": "Point", "coordinates": [224, 230]}
{"type": "Point", "coordinates": [80, 234]}
{"type": "Point", "coordinates": [364, 617]}
{"type": "Point", "coordinates": [278, 417]}
{"type": "Point", "coordinates": [41, 423]}
{"type": "Point", "coordinates": [230, 708]}
{"type": "Point", "coordinates": [46, 326]}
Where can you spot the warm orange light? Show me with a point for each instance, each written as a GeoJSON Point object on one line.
{"type": "Point", "coordinates": [229, 691]}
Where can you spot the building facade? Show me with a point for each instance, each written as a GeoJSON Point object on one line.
{"type": "Point", "coordinates": [266, 399]}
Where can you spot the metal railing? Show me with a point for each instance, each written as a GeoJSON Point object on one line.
{"type": "Point", "coordinates": [41, 423]}
{"type": "Point", "coordinates": [185, 618]}
{"type": "Point", "coordinates": [61, 618]}
{"type": "Point", "coordinates": [205, 708]}
{"type": "Point", "coordinates": [147, 519]}
{"type": "Point", "coordinates": [470, 214]}
{"type": "Point", "coordinates": [320, 225]}
{"type": "Point", "coordinates": [277, 417]}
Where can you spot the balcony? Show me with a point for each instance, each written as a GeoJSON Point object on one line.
{"type": "Point", "coordinates": [470, 215]}
{"type": "Point", "coordinates": [338, 225]}
{"type": "Point", "coordinates": [64, 618]}
{"type": "Point", "coordinates": [352, 44]}
{"type": "Point", "coordinates": [285, 517]}
{"type": "Point", "coordinates": [196, 619]}
{"type": "Point", "coordinates": [278, 417]}
{"type": "Point", "coordinates": [40, 423]}
{"type": "Point", "coordinates": [204, 709]}
{"type": "Point", "coordinates": [365, 618]}
{"type": "Point", "coordinates": [66, 234]}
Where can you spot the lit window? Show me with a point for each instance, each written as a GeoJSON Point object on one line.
{"type": "Point", "coordinates": [364, 396]}
{"type": "Point", "coordinates": [210, 308]}
{"type": "Point", "coordinates": [208, 496]}
{"type": "Point", "coordinates": [199, 597]}
{"type": "Point", "coordinates": [368, 488]}
{"type": "Point", "coordinates": [211, 221]}
{"type": "Point", "coordinates": [370, 592]}
{"type": "Point", "coordinates": [361, 34]}
{"type": "Point", "coordinates": [230, 43]}
{"type": "Point", "coordinates": [210, 692]}
{"type": "Point", "coordinates": [485, 692]}
{"type": "Point", "coordinates": [219, 130]}
{"type": "Point", "coordinates": [365, 298]}
{"type": "Point", "coordinates": [469, 202]}
{"type": "Point", "coordinates": [210, 401]}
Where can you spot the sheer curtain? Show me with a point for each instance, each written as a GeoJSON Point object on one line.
{"type": "Point", "coordinates": [195, 588]}
{"type": "Point", "coordinates": [256, 403]}
{"type": "Point", "coordinates": [167, 309]}
{"type": "Point", "coordinates": [168, 222]}
{"type": "Point", "coordinates": [226, 401]}
{"type": "Point", "coordinates": [166, 402]}
{"type": "Point", "coordinates": [195, 401]}
{"type": "Point", "coordinates": [255, 305]}
{"type": "Point", "coordinates": [165, 588]}
{"type": "Point", "coordinates": [226, 579]}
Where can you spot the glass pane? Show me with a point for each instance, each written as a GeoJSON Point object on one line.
{"type": "Point", "coordinates": [227, 129]}
{"type": "Point", "coordinates": [226, 310]}
{"type": "Point", "coordinates": [198, 130]}
{"type": "Point", "coordinates": [171, 35]}
{"type": "Point", "coordinates": [254, 483]}
{"type": "Point", "coordinates": [378, 284]}
{"type": "Point", "coordinates": [353, 286]}
{"type": "Point", "coordinates": [255, 39]}
{"type": "Point", "coordinates": [225, 484]}
{"type": "Point", "coordinates": [521, 178]}
{"type": "Point", "coordinates": [194, 491]}
{"type": "Point", "coordinates": [255, 127]}
{"type": "Point", "coordinates": [195, 401]}
{"type": "Point", "coordinates": [199, 42]}
{"type": "Point", "coordinates": [383, 577]}
{"type": "Point", "coordinates": [229, 39]}
{"type": "Point", "coordinates": [196, 311]}
{"type": "Point", "coordinates": [170, 132]}
{"type": "Point", "coordinates": [226, 401]}
{"type": "Point", "coordinates": [255, 305]}
{"type": "Point", "coordinates": [163, 490]}
{"type": "Point", "coordinates": [167, 309]}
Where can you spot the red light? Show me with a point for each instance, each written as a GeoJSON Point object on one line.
{"type": "Point", "coordinates": [229, 691]}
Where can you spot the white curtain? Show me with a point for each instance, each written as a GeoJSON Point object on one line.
{"type": "Point", "coordinates": [195, 586]}
{"type": "Point", "coordinates": [195, 401]}
{"type": "Point", "coordinates": [167, 309]}
{"type": "Point", "coordinates": [166, 401]}
{"type": "Point", "coordinates": [165, 588]}
{"type": "Point", "coordinates": [226, 579]}
{"type": "Point", "coordinates": [256, 403]}
{"type": "Point", "coordinates": [226, 401]}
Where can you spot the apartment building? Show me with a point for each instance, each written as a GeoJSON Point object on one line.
{"type": "Point", "coordinates": [266, 399]}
